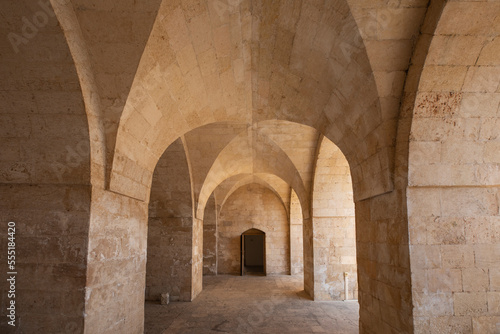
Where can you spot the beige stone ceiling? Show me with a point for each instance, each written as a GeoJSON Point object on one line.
{"type": "Point", "coordinates": [281, 149]}
{"type": "Point", "coordinates": [279, 187]}
{"type": "Point", "coordinates": [154, 71]}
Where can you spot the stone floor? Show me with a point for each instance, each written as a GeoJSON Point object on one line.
{"type": "Point", "coordinates": [252, 304]}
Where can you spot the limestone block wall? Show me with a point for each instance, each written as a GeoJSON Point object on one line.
{"type": "Point", "coordinates": [210, 238]}
{"type": "Point", "coordinates": [296, 236]}
{"type": "Point", "coordinates": [253, 206]}
{"type": "Point", "coordinates": [114, 296]}
{"type": "Point", "coordinates": [454, 175]}
{"type": "Point", "coordinates": [52, 223]}
{"type": "Point", "coordinates": [334, 235]}
{"type": "Point", "coordinates": [44, 174]}
{"type": "Point", "coordinates": [384, 279]}
{"type": "Point", "coordinates": [171, 231]}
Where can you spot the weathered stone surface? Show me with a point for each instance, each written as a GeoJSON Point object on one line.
{"type": "Point", "coordinates": [172, 231]}
{"type": "Point", "coordinates": [256, 207]}
{"type": "Point", "coordinates": [269, 307]}
{"type": "Point", "coordinates": [334, 234]}
{"type": "Point", "coordinates": [453, 199]}
{"type": "Point", "coordinates": [116, 282]}
{"type": "Point", "coordinates": [210, 237]}
{"type": "Point", "coordinates": [50, 258]}
{"type": "Point", "coordinates": [94, 92]}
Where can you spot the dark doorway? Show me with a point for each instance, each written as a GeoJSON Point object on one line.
{"type": "Point", "coordinates": [253, 252]}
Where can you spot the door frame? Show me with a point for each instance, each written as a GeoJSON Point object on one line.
{"type": "Point", "coordinates": [252, 231]}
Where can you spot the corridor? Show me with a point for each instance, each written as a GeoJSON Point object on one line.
{"type": "Point", "coordinates": [139, 140]}
{"type": "Point", "coordinates": [252, 304]}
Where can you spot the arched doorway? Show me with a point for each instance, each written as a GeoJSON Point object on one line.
{"type": "Point", "coordinates": [253, 252]}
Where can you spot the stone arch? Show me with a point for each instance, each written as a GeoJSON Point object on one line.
{"type": "Point", "coordinates": [106, 63]}
{"type": "Point", "coordinates": [45, 170]}
{"type": "Point", "coordinates": [333, 226]}
{"type": "Point", "coordinates": [312, 97]}
{"type": "Point", "coordinates": [283, 86]}
{"type": "Point", "coordinates": [253, 206]}
{"type": "Point", "coordinates": [77, 46]}
{"type": "Point", "coordinates": [453, 171]}
{"type": "Point", "coordinates": [246, 155]}
{"type": "Point", "coordinates": [171, 229]}
{"type": "Point", "coordinates": [254, 231]}
{"type": "Point", "coordinates": [243, 180]}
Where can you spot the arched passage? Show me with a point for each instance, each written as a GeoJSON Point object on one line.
{"type": "Point", "coordinates": [261, 61]}
{"type": "Point", "coordinates": [253, 153]}
{"type": "Point", "coordinates": [454, 174]}
{"type": "Point", "coordinates": [253, 207]}
{"type": "Point", "coordinates": [279, 187]}
{"type": "Point", "coordinates": [173, 236]}
{"type": "Point", "coordinates": [297, 94]}
{"type": "Point", "coordinates": [45, 174]}
{"type": "Point", "coordinates": [283, 85]}
{"type": "Point", "coordinates": [333, 226]}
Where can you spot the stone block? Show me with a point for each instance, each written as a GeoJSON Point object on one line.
{"type": "Point", "coordinates": [494, 279]}
{"type": "Point", "coordinates": [470, 303]}
{"type": "Point", "coordinates": [425, 257]}
{"type": "Point", "coordinates": [446, 230]}
{"type": "Point", "coordinates": [457, 256]}
{"type": "Point", "coordinates": [442, 78]}
{"type": "Point", "coordinates": [488, 52]}
{"type": "Point", "coordinates": [494, 303]}
{"type": "Point", "coordinates": [475, 279]}
{"type": "Point", "coordinates": [487, 256]}
{"type": "Point", "coordinates": [451, 324]}
{"type": "Point", "coordinates": [444, 280]}
{"type": "Point", "coordinates": [433, 304]}
{"type": "Point", "coordinates": [486, 324]}
{"type": "Point", "coordinates": [448, 50]}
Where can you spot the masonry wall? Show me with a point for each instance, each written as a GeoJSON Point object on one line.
{"type": "Point", "coordinates": [44, 177]}
{"type": "Point", "coordinates": [52, 223]}
{"type": "Point", "coordinates": [210, 238]}
{"type": "Point", "coordinates": [253, 206]}
{"type": "Point", "coordinates": [454, 156]}
{"type": "Point", "coordinates": [114, 301]}
{"type": "Point", "coordinates": [334, 235]}
{"type": "Point", "coordinates": [383, 264]}
{"type": "Point", "coordinates": [170, 228]}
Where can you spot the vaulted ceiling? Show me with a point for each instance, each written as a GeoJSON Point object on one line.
{"type": "Point", "coordinates": [250, 85]}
